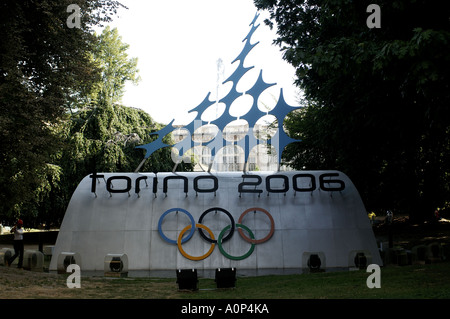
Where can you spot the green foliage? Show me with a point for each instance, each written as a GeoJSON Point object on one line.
{"type": "Point", "coordinates": [101, 135]}
{"type": "Point", "coordinates": [60, 112]}
{"type": "Point", "coordinates": [104, 139]}
{"type": "Point", "coordinates": [377, 99]}
{"type": "Point", "coordinates": [110, 55]}
{"type": "Point", "coordinates": [42, 64]}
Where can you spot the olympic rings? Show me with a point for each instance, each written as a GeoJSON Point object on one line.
{"type": "Point", "coordinates": [219, 243]}
{"type": "Point", "coordinates": [272, 226]}
{"type": "Point", "coordinates": [173, 210]}
{"type": "Point", "coordinates": [221, 239]}
{"type": "Point", "coordinates": [181, 236]}
{"type": "Point", "coordinates": [229, 216]}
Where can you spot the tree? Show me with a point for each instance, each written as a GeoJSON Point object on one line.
{"type": "Point", "coordinates": [377, 98]}
{"type": "Point", "coordinates": [101, 135]}
{"type": "Point", "coordinates": [43, 63]}
{"type": "Point", "coordinates": [110, 55]}
{"type": "Point", "coordinates": [102, 130]}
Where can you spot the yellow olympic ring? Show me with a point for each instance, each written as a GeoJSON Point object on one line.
{"type": "Point", "coordinates": [180, 237]}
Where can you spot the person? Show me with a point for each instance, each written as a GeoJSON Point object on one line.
{"type": "Point", "coordinates": [372, 216]}
{"type": "Point", "coordinates": [389, 217]}
{"type": "Point", "coordinates": [18, 243]}
{"type": "Point", "coordinates": [436, 214]}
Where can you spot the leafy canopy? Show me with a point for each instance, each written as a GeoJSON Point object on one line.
{"type": "Point", "coordinates": [44, 67]}
{"type": "Point", "coordinates": [377, 98]}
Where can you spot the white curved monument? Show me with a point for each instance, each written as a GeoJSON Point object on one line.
{"type": "Point", "coordinates": [259, 222]}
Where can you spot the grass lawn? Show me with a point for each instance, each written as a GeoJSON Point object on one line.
{"type": "Point", "coordinates": [413, 282]}
{"type": "Point", "coordinates": [430, 281]}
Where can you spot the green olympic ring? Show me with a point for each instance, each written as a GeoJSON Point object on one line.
{"type": "Point", "coordinates": [219, 243]}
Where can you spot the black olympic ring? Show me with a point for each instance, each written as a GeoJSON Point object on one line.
{"type": "Point", "coordinates": [227, 237]}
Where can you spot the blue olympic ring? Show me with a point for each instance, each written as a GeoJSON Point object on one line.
{"type": "Point", "coordinates": [191, 233]}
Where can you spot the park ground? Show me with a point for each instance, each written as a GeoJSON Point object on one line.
{"type": "Point", "coordinates": [417, 281]}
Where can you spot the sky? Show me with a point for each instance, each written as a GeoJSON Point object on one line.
{"type": "Point", "coordinates": [178, 44]}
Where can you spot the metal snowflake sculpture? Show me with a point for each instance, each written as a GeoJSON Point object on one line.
{"type": "Point", "coordinates": [279, 140]}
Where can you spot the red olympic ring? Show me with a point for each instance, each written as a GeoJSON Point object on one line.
{"type": "Point", "coordinates": [257, 241]}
